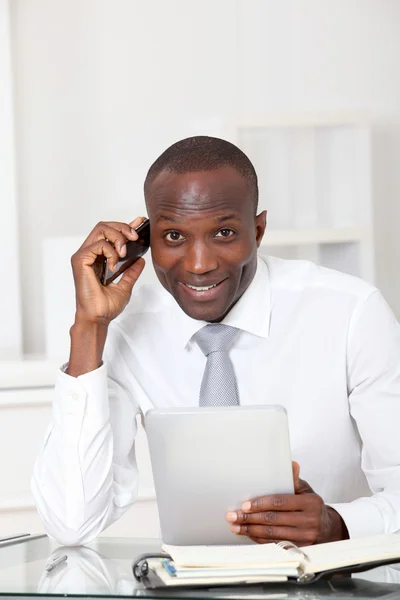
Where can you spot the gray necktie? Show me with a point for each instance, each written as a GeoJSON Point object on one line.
{"type": "Point", "coordinates": [218, 387]}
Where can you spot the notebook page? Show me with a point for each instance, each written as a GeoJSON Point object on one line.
{"type": "Point", "coordinates": [351, 552]}
{"type": "Point", "coordinates": [211, 580]}
{"type": "Point", "coordinates": [230, 556]}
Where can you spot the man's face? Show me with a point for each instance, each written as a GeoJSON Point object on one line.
{"type": "Point", "coordinates": [204, 238]}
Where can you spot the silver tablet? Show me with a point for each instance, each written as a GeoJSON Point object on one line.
{"type": "Point", "coordinates": [207, 461]}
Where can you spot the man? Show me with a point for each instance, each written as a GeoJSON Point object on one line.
{"type": "Point", "coordinates": [323, 344]}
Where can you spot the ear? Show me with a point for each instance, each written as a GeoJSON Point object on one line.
{"type": "Point", "coordinates": [261, 225]}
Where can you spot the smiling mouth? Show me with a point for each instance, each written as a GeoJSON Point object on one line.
{"type": "Point", "coordinates": [202, 292]}
{"type": "Point", "coordinates": [199, 288]}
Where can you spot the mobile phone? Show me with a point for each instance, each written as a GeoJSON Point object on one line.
{"type": "Point", "coordinates": [134, 250]}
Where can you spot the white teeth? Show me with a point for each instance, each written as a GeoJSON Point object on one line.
{"type": "Point", "coordinates": [201, 289]}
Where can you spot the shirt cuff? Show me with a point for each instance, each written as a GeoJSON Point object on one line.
{"type": "Point", "coordinates": [79, 398]}
{"type": "Point", "coordinates": [362, 518]}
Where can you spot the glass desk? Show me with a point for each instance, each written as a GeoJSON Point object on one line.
{"type": "Point", "coordinates": [104, 569]}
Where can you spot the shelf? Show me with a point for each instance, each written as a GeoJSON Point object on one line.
{"type": "Point", "coordinates": [26, 373]}
{"type": "Point", "coordinates": [31, 397]}
{"type": "Point", "coordinates": [18, 501]}
{"type": "Point", "coordinates": [297, 237]}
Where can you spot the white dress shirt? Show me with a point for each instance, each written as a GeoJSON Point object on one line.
{"type": "Point", "coordinates": [323, 344]}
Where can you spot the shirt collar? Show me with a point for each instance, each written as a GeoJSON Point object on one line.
{"type": "Point", "coordinates": [251, 313]}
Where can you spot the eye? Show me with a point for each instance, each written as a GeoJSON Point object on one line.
{"type": "Point", "coordinates": [174, 236]}
{"type": "Point", "coordinates": [225, 233]}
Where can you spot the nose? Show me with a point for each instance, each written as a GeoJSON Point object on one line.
{"type": "Point", "coordinates": [200, 259]}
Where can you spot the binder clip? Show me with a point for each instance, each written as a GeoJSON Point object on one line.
{"type": "Point", "coordinates": [140, 566]}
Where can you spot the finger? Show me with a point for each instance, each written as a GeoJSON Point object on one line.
{"type": "Point", "coordinates": [303, 487]}
{"type": "Point", "coordinates": [136, 222]}
{"type": "Point", "coordinates": [300, 486]}
{"type": "Point", "coordinates": [118, 237]}
{"type": "Point", "coordinates": [279, 502]}
{"type": "Point", "coordinates": [88, 255]}
{"type": "Point", "coordinates": [296, 474]}
{"type": "Point", "coordinates": [130, 276]}
{"type": "Point", "coordinates": [272, 517]}
{"type": "Point", "coordinates": [116, 233]}
{"type": "Point", "coordinates": [267, 532]}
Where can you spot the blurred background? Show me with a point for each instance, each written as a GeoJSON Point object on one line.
{"type": "Point", "coordinates": [92, 91]}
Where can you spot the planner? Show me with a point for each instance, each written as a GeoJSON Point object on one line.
{"type": "Point", "coordinates": [242, 564]}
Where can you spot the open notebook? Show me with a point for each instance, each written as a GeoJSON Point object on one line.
{"type": "Point", "coordinates": [222, 565]}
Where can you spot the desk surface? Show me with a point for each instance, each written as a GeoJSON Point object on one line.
{"type": "Point", "coordinates": [103, 569]}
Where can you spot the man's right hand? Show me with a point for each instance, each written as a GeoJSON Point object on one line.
{"type": "Point", "coordinates": [97, 305]}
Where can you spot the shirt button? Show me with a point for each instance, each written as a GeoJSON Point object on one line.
{"type": "Point", "coordinates": [73, 396]}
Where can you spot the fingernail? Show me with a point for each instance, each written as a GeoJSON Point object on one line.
{"type": "Point", "coordinates": [134, 231]}
{"type": "Point", "coordinates": [235, 528]}
{"type": "Point", "coordinates": [231, 517]}
{"type": "Point", "coordinates": [123, 250]}
{"type": "Point", "coordinates": [246, 506]}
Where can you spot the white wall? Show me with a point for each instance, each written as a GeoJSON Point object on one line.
{"type": "Point", "coordinates": [327, 55]}
{"type": "Point", "coordinates": [10, 308]}
{"type": "Point", "coordinates": [103, 86]}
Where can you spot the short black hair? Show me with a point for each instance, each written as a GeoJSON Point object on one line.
{"type": "Point", "coordinates": [204, 153]}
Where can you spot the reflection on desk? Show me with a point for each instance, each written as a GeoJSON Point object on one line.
{"type": "Point", "coordinates": [89, 573]}
{"type": "Point", "coordinates": [104, 569]}
{"type": "Point", "coordinates": [101, 568]}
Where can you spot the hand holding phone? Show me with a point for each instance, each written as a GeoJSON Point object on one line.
{"type": "Point", "coordinates": [96, 304]}
{"type": "Point", "coordinates": [134, 250]}
{"type": "Point", "coordinates": [104, 247]}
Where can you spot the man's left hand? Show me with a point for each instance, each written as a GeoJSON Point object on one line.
{"type": "Point", "coordinates": [302, 517]}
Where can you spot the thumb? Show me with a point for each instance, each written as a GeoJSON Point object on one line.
{"type": "Point", "coordinates": [131, 275]}
{"type": "Point", "coordinates": [296, 473]}
{"type": "Point", "coordinates": [300, 486]}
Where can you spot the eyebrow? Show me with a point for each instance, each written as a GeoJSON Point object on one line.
{"type": "Point", "coordinates": [228, 218]}
{"type": "Point", "coordinates": [219, 219]}
{"type": "Point", "coordinates": [165, 218]}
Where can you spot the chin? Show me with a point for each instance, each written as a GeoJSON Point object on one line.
{"type": "Point", "coordinates": [211, 311]}
{"type": "Point", "coordinates": [204, 313]}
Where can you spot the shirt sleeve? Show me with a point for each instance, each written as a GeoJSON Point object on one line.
{"type": "Point", "coordinates": [373, 375]}
{"type": "Point", "coordinates": [85, 476]}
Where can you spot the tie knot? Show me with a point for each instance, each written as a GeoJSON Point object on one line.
{"type": "Point", "coordinates": [215, 338]}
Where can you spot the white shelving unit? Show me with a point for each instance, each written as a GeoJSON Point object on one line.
{"type": "Point", "coordinates": [315, 181]}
